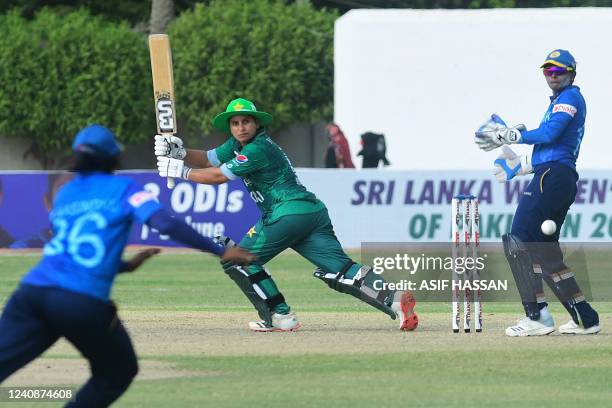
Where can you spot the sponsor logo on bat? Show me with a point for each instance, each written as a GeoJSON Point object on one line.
{"type": "Point", "coordinates": [165, 115]}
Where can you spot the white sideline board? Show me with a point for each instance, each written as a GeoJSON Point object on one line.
{"type": "Point", "coordinates": [428, 78]}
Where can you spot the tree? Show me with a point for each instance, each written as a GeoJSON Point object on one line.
{"type": "Point", "coordinates": [134, 11]}
{"type": "Point", "coordinates": [162, 13]}
{"type": "Point", "coordinates": [60, 73]}
{"type": "Point", "coordinates": [280, 56]}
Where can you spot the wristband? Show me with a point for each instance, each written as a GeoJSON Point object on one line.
{"type": "Point", "coordinates": [185, 173]}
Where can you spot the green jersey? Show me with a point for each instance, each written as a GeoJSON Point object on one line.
{"type": "Point", "coordinates": [268, 175]}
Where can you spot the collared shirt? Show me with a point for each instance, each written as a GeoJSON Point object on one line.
{"type": "Point", "coordinates": [268, 175]}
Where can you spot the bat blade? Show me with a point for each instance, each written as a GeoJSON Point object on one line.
{"type": "Point", "coordinates": [163, 87]}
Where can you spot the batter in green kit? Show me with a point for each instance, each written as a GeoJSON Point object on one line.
{"type": "Point", "coordinates": [292, 217]}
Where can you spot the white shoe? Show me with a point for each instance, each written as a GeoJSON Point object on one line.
{"type": "Point", "coordinates": [527, 327]}
{"type": "Point", "coordinates": [572, 328]}
{"type": "Point", "coordinates": [404, 308]}
{"type": "Point", "coordinates": [280, 323]}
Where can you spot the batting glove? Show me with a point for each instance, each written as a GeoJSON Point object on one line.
{"type": "Point", "coordinates": [509, 164]}
{"type": "Point", "coordinates": [175, 168]}
{"type": "Point", "coordinates": [170, 147]}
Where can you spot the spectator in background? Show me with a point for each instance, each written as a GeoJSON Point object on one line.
{"type": "Point", "coordinates": [5, 238]}
{"type": "Point", "coordinates": [374, 149]}
{"type": "Point", "coordinates": [338, 153]}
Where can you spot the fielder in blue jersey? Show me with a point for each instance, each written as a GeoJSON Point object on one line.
{"type": "Point", "coordinates": [67, 293]}
{"type": "Point", "coordinates": [531, 248]}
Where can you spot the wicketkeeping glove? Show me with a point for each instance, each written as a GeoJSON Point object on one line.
{"type": "Point", "coordinates": [509, 164]}
{"type": "Point", "coordinates": [494, 133]}
{"type": "Point", "coordinates": [169, 167]}
{"type": "Point", "coordinates": [172, 147]}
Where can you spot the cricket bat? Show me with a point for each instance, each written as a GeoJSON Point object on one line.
{"type": "Point", "coordinates": [163, 87]}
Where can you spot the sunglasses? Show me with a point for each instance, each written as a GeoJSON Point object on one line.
{"type": "Point", "coordinates": [550, 71]}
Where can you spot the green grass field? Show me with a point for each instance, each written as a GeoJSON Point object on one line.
{"type": "Point", "coordinates": [188, 325]}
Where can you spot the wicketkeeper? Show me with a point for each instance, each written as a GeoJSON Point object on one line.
{"type": "Point", "coordinates": [291, 217]}
{"type": "Point", "coordinates": [532, 254]}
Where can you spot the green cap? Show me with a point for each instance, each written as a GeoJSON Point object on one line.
{"type": "Point", "coordinates": [236, 107]}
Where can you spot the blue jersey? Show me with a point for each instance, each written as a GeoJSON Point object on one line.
{"type": "Point", "coordinates": [560, 133]}
{"type": "Point", "coordinates": [92, 216]}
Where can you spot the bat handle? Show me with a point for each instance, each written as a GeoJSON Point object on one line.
{"type": "Point", "coordinates": [170, 182]}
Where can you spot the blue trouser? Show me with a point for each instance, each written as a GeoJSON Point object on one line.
{"type": "Point", "coordinates": [549, 196]}
{"type": "Point", "coordinates": [35, 317]}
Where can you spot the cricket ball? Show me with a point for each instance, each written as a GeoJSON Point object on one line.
{"type": "Point", "coordinates": [549, 227]}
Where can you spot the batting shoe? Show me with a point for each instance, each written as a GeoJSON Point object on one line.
{"type": "Point", "coordinates": [280, 323]}
{"type": "Point", "coordinates": [527, 327]}
{"type": "Point", "coordinates": [572, 328]}
{"type": "Point", "coordinates": [405, 310]}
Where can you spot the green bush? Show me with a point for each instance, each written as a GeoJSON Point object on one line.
{"type": "Point", "coordinates": [134, 11]}
{"type": "Point", "coordinates": [280, 56]}
{"type": "Point", "coordinates": [59, 73]}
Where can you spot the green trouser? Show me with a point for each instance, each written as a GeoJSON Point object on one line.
{"type": "Point", "coordinates": [311, 235]}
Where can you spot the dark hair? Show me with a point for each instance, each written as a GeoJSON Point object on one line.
{"type": "Point", "coordinates": [88, 162]}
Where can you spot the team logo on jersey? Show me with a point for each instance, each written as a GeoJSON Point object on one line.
{"type": "Point", "coordinates": [564, 107]}
{"type": "Point", "coordinates": [241, 158]}
{"type": "Point", "coordinates": [251, 232]}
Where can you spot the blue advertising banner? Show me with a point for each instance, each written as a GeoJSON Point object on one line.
{"type": "Point", "coordinates": [26, 199]}
{"type": "Point", "coordinates": [364, 205]}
